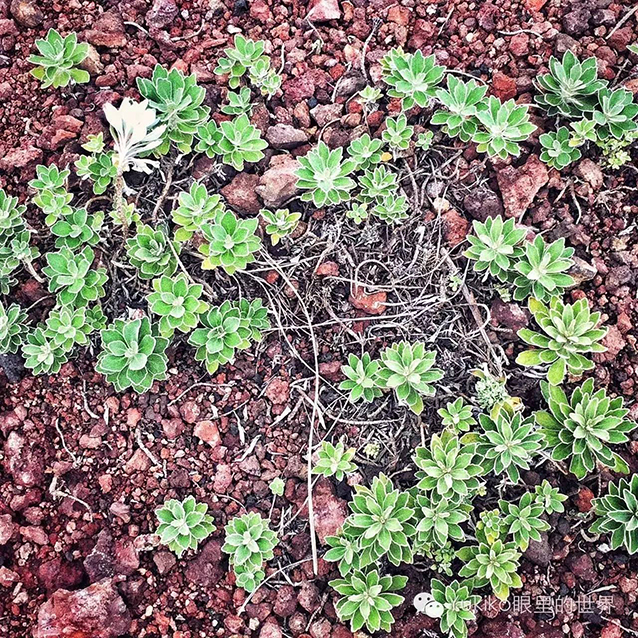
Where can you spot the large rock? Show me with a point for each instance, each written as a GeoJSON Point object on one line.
{"type": "Point", "coordinates": [519, 185]}
{"type": "Point", "coordinates": [285, 136]}
{"type": "Point", "coordinates": [95, 612]}
{"type": "Point", "coordinates": [240, 193]}
{"type": "Point", "coordinates": [323, 10]}
{"type": "Point", "coordinates": [24, 460]}
{"type": "Point", "coordinates": [162, 13]}
{"type": "Point", "coordinates": [279, 182]}
{"type": "Point", "coordinates": [108, 31]}
{"type": "Point", "coordinates": [330, 513]}
{"type": "Point", "coordinates": [205, 569]}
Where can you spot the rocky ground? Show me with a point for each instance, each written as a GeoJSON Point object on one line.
{"type": "Point", "coordinates": [84, 468]}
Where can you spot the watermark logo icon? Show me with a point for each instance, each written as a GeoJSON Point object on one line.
{"type": "Point", "coordinates": [424, 603]}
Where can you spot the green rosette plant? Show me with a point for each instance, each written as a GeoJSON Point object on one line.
{"type": "Point", "coordinates": [365, 151]}
{"type": "Point", "coordinates": [99, 169]}
{"type": "Point", "coordinates": [458, 605]}
{"type": "Point", "coordinates": [460, 102]}
{"type": "Point", "coordinates": [407, 369]}
{"type": "Point", "coordinates": [183, 524]}
{"type": "Point", "coordinates": [279, 223]}
{"type": "Point", "coordinates": [362, 378]}
{"type": "Point", "coordinates": [448, 467]}
{"type": "Point", "coordinates": [78, 228]}
{"type": "Point", "coordinates": [196, 208]}
{"type": "Point", "coordinates": [549, 498]}
{"type": "Point", "coordinates": [523, 520]}
{"type": "Point", "coordinates": [208, 137]}
{"type": "Point", "coordinates": [412, 77]}
{"type": "Point", "coordinates": [439, 519]}
{"type": "Point", "coordinates": [13, 328]}
{"type": "Point", "coordinates": [494, 564]}
{"type": "Point", "coordinates": [72, 278]}
{"type": "Point", "coordinates": [230, 243]}
{"type": "Point", "coordinates": [383, 522]}
{"type": "Point", "coordinates": [133, 355]}
{"type": "Point", "coordinates": [149, 250]}
{"type": "Point", "coordinates": [615, 114]}
{"type": "Point", "coordinates": [58, 60]}
{"type": "Point", "coordinates": [457, 416]}
{"type": "Point", "coordinates": [495, 246]}
{"type": "Point", "coordinates": [334, 460]}
{"type": "Point", "coordinates": [67, 327]}
{"type": "Point", "coordinates": [177, 101]}
{"type": "Point", "coordinates": [11, 220]}
{"type": "Point", "coordinates": [557, 148]}
{"type": "Point", "coordinates": [507, 444]}
{"type": "Point", "coordinates": [238, 102]}
{"type": "Point", "coordinates": [249, 542]}
{"type": "Point", "coordinates": [324, 176]}
{"type": "Point", "coordinates": [617, 514]}
{"type": "Point", "coordinates": [344, 550]}
{"type": "Point", "coordinates": [240, 142]}
{"type": "Point", "coordinates": [398, 133]}
{"type": "Point", "coordinates": [41, 355]}
{"type": "Point", "coordinates": [367, 599]}
{"type": "Point", "coordinates": [239, 59]}
{"type": "Point", "coordinates": [392, 209]}
{"type": "Point", "coordinates": [502, 125]}
{"type": "Point", "coordinates": [570, 88]}
{"type": "Point", "coordinates": [583, 427]}
{"type": "Point", "coordinates": [177, 302]}
{"type": "Point", "coordinates": [376, 184]}
{"type": "Point", "coordinates": [568, 333]}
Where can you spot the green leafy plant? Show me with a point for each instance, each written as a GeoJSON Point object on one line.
{"type": "Point", "coordinates": [367, 599]}
{"type": "Point", "coordinates": [542, 269]}
{"type": "Point", "coordinates": [133, 355]}
{"type": "Point", "coordinates": [240, 142]}
{"type": "Point", "coordinates": [376, 184]}
{"type": "Point", "coordinates": [196, 208]}
{"type": "Point", "coordinates": [277, 486]}
{"type": "Point", "coordinates": [557, 150]}
{"type": "Point", "coordinates": [490, 391]}
{"type": "Point", "coordinates": [382, 521]}
{"type": "Point", "coordinates": [502, 126]}
{"type": "Point", "coordinates": [461, 101]}
{"type": "Point", "coordinates": [507, 444]}
{"type": "Point", "coordinates": [358, 212]}
{"type": "Point", "coordinates": [72, 278]}
{"type": "Point", "coordinates": [448, 467]}
{"type": "Point", "coordinates": [424, 140]}
{"type": "Point", "coordinates": [583, 427]}
{"type": "Point", "coordinates": [238, 102]}
{"type": "Point", "coordinates": [617, 514]}
{"type": "Point", "coordinates": [183, 524]}
{"type": "Point", "coordinates": [95, 318]}
{"type": "Point", "coordinates": [362, 378]}
{"type": "Point", "coordinates": [178, 304]}
{"type": "Point", "coordinates": [568, 333]}
{"type": "Point", "coordinates": [264, 78]}
{"type": "Point", "coordinates": [41, 355]}
{"type": "Point", "coordinates": [334, 460]}
{"type": "Point", "coordinates": [58, 59]}
{"type": "Point", "coordinates": [249, 543]}
{"type": "Point", "coordinates": [51, 194]}
{"type": "Point", "coordinates": [458, 605]}
{"type": "Point", "coordinates": [324, 177]}
{"type": "Point", "coordinates": [549, 498]}
{"type": "Point", "coordinates": [230, 243]}
{"type": "Point", "coordinates": [177, 101]}
{"type": "Point", "coordinates": [523, 521]}
{"type": "Point", "coordinates": [495, 246]}
{"type": "Point", "coordinates": [369, 95]}
{"type": "Point", "coordinates": [77, 228]}
{"type": "Point", "coordinates": [279, 223]}
{"type": "Point", "coordinates": [11, 220]}
{"type": "Point", "coordinates": [616, 151]}
{"type": "Point", "coordinates": [398, 133]}
{"type": "Point", "coordinates": [412, 77]}
{"type": "Point", "coordinates": [439, 519]}
{"type": "Point", "coordinates": [495, 564]}
{"type": "Point", "coordinates": [13, 328]}
{"type": "Point", "coordinates": [228, 328]}
{"type": "Point", "coordinates": [615, 114]}
{"type": "Point", "coordinates": [365, 151]}
{"type": "Point", "coordinates": [457, 416]}
{"type": "Point", "coordinates": [343, 550]}
{"type": "Point", "coordinates": [583, 131]}
{"type": "Point", "coordinates": [240, 58]}
{"type": "Point", "coordinates": [149, 250]}
{"type": "Point", "coordinates": [208, 138]}
{"type": "Point", "coordinates": [490, 525]}
{"type": "Point", "coordinates": [407, 369]}
{"type": "Point", "coordinates": [392, 209]}
{"type": "Point", "coordinates": [570, 88]}
{"type": "Point", "coordinates": [99, 169]}
{"type": "Point", "coordinates": [67, 327]}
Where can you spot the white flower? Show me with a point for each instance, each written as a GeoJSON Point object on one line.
{"type": "Point", "coordinates": [134, 133]}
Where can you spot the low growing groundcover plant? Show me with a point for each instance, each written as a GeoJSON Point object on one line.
{"type": "Point", "coordinates": [441, 518]}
